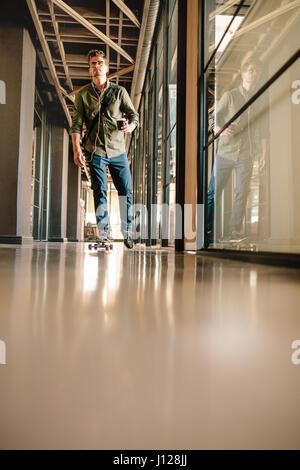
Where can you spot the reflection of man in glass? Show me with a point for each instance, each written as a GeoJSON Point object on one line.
{"type": "Point", "coordinates": [235, 150]}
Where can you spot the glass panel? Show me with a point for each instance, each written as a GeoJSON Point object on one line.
{"type": "Point", "coordinates": [170, 161]}
{"type": "Point", "coordinates": [235, 182]}
{"type": "Point", "coordinates": [41, 173]}
{"type": "Point", "coordinates": [171, 7]}
{"type": "Point", "coordinates": [171, 149]}
{"type": "Point", "coordinates": [159, 144]}
{"type": "Point", "coordinates": [257, 31]}
{"type": "Point", "coordinates": [45, 191]}
{"type": "Point", "coordinates": [37, 150]}
{"type": "Point", "coordinates": [151, 165]}
{"type": "Point", "coordinates": [252, 164]}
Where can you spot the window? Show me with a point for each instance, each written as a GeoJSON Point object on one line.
{"type": "Point", "coordinates": [251, 65]}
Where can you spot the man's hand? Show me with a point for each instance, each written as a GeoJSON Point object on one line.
{"type": "Point", "coordinates": [128, 127]}
{"type": "Point", "coordinates": [78, 155]}
{"type": "Point", "coordinates": [264, 156]}
{"type": "Point", "coordinates": [78, 158]}
{"type": "Point", "coordinates": [262, 164]}
{"type": "Point", "coordinates": [228, 131]}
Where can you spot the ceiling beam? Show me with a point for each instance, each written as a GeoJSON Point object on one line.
{"type": "Point", "coordinates": [127, 12]}
{"type": "Point", "coordinates": [107, 26]}
{"type": "Point", "coordinates": [68, 95]}
{"type": "Point", "coordinates": [52, 38]}
{"type": "Point", "coordinates": [82, 33]}
{"type": "Point", "coordinates": [119, 40]}
{"type": "Point", "coordinates": [60, 44]}
{"type": "Point", "coordinates": [278, 39]}
{"type": "Point", "coordinates": [92, 29]}
{"type": "Point", "coordinates": [121, 72]}
{"type": "Point", "coordinates": [90, 40]}
{"type": "Point", "coordinates": [221, 9]}
{"type": "Point", "coordinates": [77, 65]}
{"type": "Point", "coordinates": [39, 29]}
{"type": "Point", "coordinates": [68, 20]}
{"type": "Point", "coordinates": [265, 19]}
{"type": "Point", "coordinates": [84, 75]}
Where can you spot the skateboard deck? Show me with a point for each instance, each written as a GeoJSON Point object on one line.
{"type": "Point", "coordinates": [101, 245]}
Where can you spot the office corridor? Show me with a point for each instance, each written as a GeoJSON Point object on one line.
{"type": "Point", "coordinates": [146, 349]}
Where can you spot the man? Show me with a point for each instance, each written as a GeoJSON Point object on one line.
{"type": "Point", "coordinates": [236, 148]}
{"type": "Point", "coordinates": [100, 105]}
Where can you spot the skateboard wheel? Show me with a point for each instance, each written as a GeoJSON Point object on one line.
{"type": "Point", "coordinates": [95, 246]}
{"type": "Point", "coordinates": [90, 247]}
{"type": "Point", "coordinates": [111, 246]}
{"type": "Point", "coordinates": [107, 248]}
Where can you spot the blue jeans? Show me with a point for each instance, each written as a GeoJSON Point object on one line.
{"type": "Point", "coordinates": [120, 173]}
{"type": "Point", "coordinates": [221, 173]}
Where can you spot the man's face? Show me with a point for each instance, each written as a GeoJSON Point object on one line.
{"type": "Point", "coordinates": [98, 66]}
{"type": "Point", "coordinates": [251, 74]}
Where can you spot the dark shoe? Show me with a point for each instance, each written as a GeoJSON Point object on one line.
{"type": "Point", "coordinates": [128, 242]}
{"type": "Point", "coordinates": [225, 239]}
{"type": "Point", "coordinates": [237, 236]}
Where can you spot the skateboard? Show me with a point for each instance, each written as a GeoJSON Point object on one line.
{"type": "Point", "coordinates": [101, 245]}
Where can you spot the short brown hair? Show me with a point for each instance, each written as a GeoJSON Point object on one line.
{"type": "Point", "coordinates": [96, 53]}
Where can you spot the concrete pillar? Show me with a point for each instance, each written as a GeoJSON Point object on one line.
{"type": "Point", "coordinates": [17, 78]}
{"type": "Point", "coordinates": [73, 208]}
{"type": "Point", "coordinates": [58, 184]}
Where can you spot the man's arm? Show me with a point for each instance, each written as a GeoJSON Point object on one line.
{"type": "Point", "coordinates": [221, 112]}
{"type": "Point", "coordinates": [264, 154]}
{"type": "Point", "coordinates": [76, 129]}
{"type": "Point", "coordinates": [130, 113]}
{"type": "Point", "coordinates": [263, 123]}
{"type": "Point", "coordinates": [78, 155]}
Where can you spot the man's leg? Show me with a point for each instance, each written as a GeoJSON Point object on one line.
{"type": "Point", "coordinates": [243, 170]}
{"type": "Point", "coordinates": [99, 187]}
{"type": "Point", "coordinates": [121, 176]}
{"type": "Point", "coordinates": [221, 172]}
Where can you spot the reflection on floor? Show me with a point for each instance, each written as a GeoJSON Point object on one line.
{"type": "Point", "coordinates": [146, 349]}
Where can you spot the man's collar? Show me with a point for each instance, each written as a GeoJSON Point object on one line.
{"type": "Point", "coordinates": [243, 91]}
{"type": "Point", "coordinates": [97, 89]}
{"type": "Point", "coordinates": [246, 93]}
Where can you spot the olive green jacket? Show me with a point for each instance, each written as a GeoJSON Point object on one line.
{"type": "Point", "coordinates": [109, 141]}
{"type": "Point", "coordinates": [248, 130]}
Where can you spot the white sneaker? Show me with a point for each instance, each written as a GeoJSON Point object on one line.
{"type": "Point", "coordinates": [105, 236]}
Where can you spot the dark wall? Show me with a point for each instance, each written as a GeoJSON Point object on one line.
{"type": "Point", "coordinates": [11, 40]}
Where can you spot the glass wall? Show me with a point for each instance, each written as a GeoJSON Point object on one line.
{"type": "Point", "coordinates": [251, 112]}
{"type": "Point", "coordinates": [153, 146]}
{"type": "Point", "coordinates": [41, 168]}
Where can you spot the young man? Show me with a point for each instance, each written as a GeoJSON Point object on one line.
{"type": "Point", "coordinates": [100, 105]}
{"type": "Point", "coordinates": [236, 149]}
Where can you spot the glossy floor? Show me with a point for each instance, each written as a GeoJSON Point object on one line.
{"type": "Point", "coordinates": [146, 349]}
